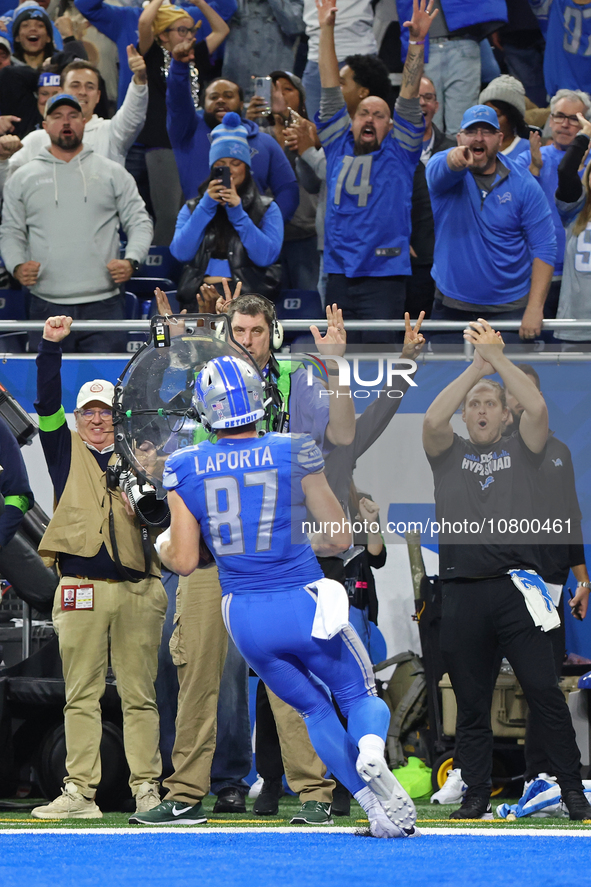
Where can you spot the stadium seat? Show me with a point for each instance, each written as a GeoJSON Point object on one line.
{"type": "Point", "coordinates": [132, 306]}
{"type": "Point", "coordinates": [159, 263]}
{"type": "Point", "coordinates": [133, 311]}
{"type": "Point", "coordinates": [299, 305]}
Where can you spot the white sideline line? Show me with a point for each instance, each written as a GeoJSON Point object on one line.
{"type": "Point", "coordinates": [286, 830]}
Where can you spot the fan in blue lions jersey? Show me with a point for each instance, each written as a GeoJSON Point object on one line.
{"type": "Point", "coordinates": [566, 25]}
{"type": "Point", "coordinates": [247, 496]}
{"type": "Point", "coordinates": [370, 164]}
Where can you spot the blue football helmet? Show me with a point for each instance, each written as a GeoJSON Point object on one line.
{"type": "Point", "coordinates": [228, 393]}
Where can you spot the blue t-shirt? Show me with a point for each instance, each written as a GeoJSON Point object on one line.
{"type": "Point", "coordinates": [367, 225]}
{"type": "Point", "coordinates": [246, 494]}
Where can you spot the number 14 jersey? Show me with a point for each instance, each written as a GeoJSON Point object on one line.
{"type": "Point", "coordinates": [369, 199]}
{"type": "Point", "coordinates": [246, 494]}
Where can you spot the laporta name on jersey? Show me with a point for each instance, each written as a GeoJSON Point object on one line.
{"type": "Point", "coordinates": [233, 459]}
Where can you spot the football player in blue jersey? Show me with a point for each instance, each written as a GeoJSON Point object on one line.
{"type": "Point", "coordinates": [246, 496]}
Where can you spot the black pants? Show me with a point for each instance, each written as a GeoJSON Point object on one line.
{"type": "Point", "coordinates": [269, 763]}
{"type": "Point", "coordinates": [477, 618]}
{"type": "Point", "coordinates": [369, 298]}
{"type": "Point", "coordinates": [87, 342]}
{"type": "Point", "coordinates": [536, 760]}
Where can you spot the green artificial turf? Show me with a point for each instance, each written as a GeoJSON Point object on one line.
{"type": "Point", "coordinates": [429, 815]}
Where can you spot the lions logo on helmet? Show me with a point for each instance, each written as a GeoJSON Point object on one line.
{"type": "Point", "coordinates": [228, 393]}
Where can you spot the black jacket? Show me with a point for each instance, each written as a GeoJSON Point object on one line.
{"type": "Point", "coordinates": [19, 83]}
{"type": "Point", "coordinates": [422, 238]}
{"type": "Point", "coordinates": [265, 281]}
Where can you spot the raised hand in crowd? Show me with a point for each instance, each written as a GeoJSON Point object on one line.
{"type": "Point", "coordinates": [301, 134]}
{"type": "Point", "coordinates": [423, 15]}
{"type": "Point", "coordinates": [257, 107]}
{"type": "Point", "coordinates": [334, 341]}
{"type": "Point", "coordinates": [185, 51]}
{"type": "Point", "coordinates": [27, 273]}
{"type": "Point", "coordinates": [222, 302]}
{"type": "Point", "coordinates": [6, 123]}
{"type": "Point", "coordinates": [413, 338]}
{"type": "Point", "coordinates": [65, 26]}
{"type": "Point", "coordinates": [327, 13]}
{"type": "Point", "coordinates": [137, 65]}
{"type": "Point", "coordinates": [9, 145]}
{"type": "Point", "coordinates": [535, 146]}
{"type": "Point", "coordinates": [207, 298]}
{"type": "Point", "coordinates": [57, 328]}
{"type": "Point", "coordinates": [177, 327]}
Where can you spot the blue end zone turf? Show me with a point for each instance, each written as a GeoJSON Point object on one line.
{"type": "Point", "coordinates": [268, 860]}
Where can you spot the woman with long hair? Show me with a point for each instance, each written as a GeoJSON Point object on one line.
{"type": "Point", "coordinates": [229, 230]}
{"type": "Point", "coordinates": [299, 257]}
{"type": "Point", "coordinates": [573, 199]}
{"type": "Point", "coordinates": [162, 27]}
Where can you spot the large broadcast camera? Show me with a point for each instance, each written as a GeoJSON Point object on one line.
{"type": "Point", "coordinates": [153, 410]}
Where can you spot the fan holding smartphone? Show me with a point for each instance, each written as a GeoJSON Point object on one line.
{"type": "Point", "coordinates": [229, 230]}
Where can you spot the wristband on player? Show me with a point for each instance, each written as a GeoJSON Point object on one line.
{"type": "Point", "coordinates": [417, 42]}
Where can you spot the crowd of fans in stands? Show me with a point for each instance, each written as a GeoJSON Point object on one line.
{"type": "Point", "coordinates": [156, 100]}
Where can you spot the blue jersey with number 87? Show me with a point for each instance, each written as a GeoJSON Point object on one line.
{"type": "Point", "coordinates": [246, 494]}
{"type": "Point", "coordinates": [367, 225]}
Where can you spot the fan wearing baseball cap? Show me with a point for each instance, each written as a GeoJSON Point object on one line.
{"type": "Point", "coordinates": [110, 597]}
{"type": "Point", "coordinates": [59, 237]}
{"type": "Point", "coordinates": [494, 238]}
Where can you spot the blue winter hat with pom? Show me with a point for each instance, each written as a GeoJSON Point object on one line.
{"type": "Point", "coordinates": [229, 139]}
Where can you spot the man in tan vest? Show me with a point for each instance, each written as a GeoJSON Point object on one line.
{"type": "Point", "coordinates": [106, 599]}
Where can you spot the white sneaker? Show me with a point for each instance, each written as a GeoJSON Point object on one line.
{"type": "Point", "coordinates": [399, 808]}
{"type": "Point", "coordinates": [147, 797]}
{"type": "Point", "coordinates": [71, 804]}
{"type": "Point", "coordinates": [452, 789]}
{"type": "Point", "coordinates": [256, 788]}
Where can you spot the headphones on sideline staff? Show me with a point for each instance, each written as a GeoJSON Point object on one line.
{"type": "Point", "coordinates": [276, 337]}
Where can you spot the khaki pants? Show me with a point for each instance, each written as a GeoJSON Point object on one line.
{"type": "Point", "coordinates": [198, 648]}
{"type": "Point", "coordinates": [130, 616]}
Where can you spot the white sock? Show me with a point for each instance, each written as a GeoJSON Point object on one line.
{"type": "Point", "coordinates": [372, 744]}
{"type": "Point", "coordinates": [366, 799]}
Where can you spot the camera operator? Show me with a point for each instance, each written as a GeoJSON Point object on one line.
{"type": "Point", "coordinates": [109, 595]}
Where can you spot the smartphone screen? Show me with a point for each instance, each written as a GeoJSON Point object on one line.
{"type": "Point", "coordinates": [262, 88]}
{"type": "Point", "coordinates": [223, 173]}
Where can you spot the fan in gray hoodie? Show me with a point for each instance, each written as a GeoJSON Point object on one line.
{"type": "Point", "coordinates": [60, 225]}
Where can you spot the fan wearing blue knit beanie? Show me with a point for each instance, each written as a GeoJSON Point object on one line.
{"type": "Point", "coordinates": [229, 232]}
